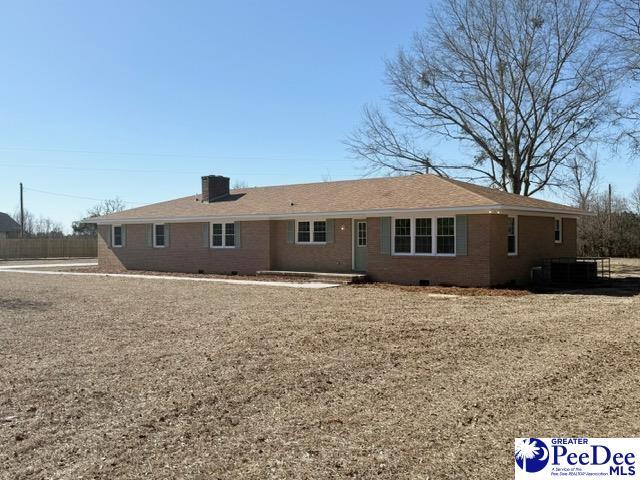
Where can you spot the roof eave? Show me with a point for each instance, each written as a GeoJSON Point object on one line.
{"type": "Point", "coordinates": [492, 209]}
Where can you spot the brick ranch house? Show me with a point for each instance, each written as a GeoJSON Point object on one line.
{"type": "Point", "coordinates": [396, 229]}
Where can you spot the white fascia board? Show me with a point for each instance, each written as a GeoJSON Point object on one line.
{"type": "Point", "coordinates": [542, 212]}
{"type": "Point", "coordinates": [488, 209]}
{"type": "Point", "coordinates": [296, 215]}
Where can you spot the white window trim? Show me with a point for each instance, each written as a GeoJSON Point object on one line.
{"type": "Point", "coordinates": [434, 237]}
{"type": "Point", "coordinates": [154, 236]}
{"type": "Point", "coordinates": [515, 234]}
{"type": "Point", "coordinates": [113, 236]}
{"type": "Point", "coordinates": [557, 219]}
{"type": "Point", "coordinates": [310, 221]}
{"type": "Point", "coordinates": [224, 234]}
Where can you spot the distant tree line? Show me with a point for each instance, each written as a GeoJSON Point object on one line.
{"type": "Point", "coordinates": [40, 226]}
{"type": "Point", "coordinates": [46, 227]}
{"type": "Point", "coordinates": [614, 229]}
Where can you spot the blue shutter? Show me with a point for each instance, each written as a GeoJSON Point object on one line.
{"type": "Point", "coordinates": [206, 227]}
{"type": "Point", "coordinates": [461, 235]}
{"type": "Point", "coordinates": [148, 233]}
{"type": "Point", "coordinates": [385, 235]}
{"type": "Point", "coordinates": [331, 224]}
{"type": "Point", "coordinates": [291, 231]}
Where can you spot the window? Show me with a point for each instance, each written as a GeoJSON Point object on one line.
{"type": "Point", "coordinates": [362, 234]}
{"type": "Point", "coordinates": [117, 236]}
{"type": "Point", "coordinates": [512, 235]}
{"type": "Point", "coordinates": [558, 230]}
{"type": "Point", "coordinates": [424, 239]}
{"type": "Point", "coordinates": [229, 234]}
{"type": "Point", "coordinates": [304, 232]}
{"type": "Point", "coordinates": [158, 235]}
{"type": "Point", "coordinates": [415, 236]}
{"type": "Point", "coordinates": [216, 235]}
{"type": "Point", "coordinates": [402, 235]}
{"type": "Point", "coordinates": [319, 232]}
{"type": "Point", "coordinates": [311, 232]}
{"type": "Point", "coordinates": [223, 235]}
{"type": "Point", "coordinates": [446, 235]}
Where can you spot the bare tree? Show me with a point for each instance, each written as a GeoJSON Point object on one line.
{"type": "Point", "coordinates": [238, 184]}
{"type": "Point", "coordinates": [29, 220]}
{"type": "Point", "coordinates": [635, 199]}
{"type": "Point", "coordinates": [611, 231]}
{"type": "Point", "coordinates": [525, 84]}
{"type": "Point", "coordinates": [38, 226]}
{"type": "Point", "coordinates": [105, 207]}
{"type": "Point", "coordinates": [624, 25]}
{"type": "Point", "coordinates": [46, 227]}
{"type": "Point", "coordinates": [582, 179]}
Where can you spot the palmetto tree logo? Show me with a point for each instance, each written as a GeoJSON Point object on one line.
{"type": "Point", "coordinates": [531, 454]}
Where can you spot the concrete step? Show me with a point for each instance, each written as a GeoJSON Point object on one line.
{"type": "Point", "coordinates": [344, 278]}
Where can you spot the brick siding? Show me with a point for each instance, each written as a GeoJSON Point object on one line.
{"type": "Point", "coordinates": [535, 242]}
{"type": "Point", "coordinates": [469, 270]}
{"type": "Point", "coordinates": [264, 246]}
{"type": "Point", "coordinates": [332, 257]}
{"type": "Point", "coordinates": [186, 251]}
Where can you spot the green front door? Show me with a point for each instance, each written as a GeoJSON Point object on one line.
{"type": "Point", "coordinates": [360, 245]}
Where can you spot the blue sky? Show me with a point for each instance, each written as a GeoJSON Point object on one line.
{"type": "Point", "coordinates": [139, 99]}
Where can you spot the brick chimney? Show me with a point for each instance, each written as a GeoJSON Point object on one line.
{"type": "Point", "coordinates": [214, 187]}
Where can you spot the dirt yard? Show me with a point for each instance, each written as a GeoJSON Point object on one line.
{"type": "Point", "coordinates": [625, 267]}
{"type": "Point", "coordinates": [117, 378]}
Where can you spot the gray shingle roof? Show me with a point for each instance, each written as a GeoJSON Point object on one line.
{"type": "Point", "coordinates": [426, 192]}
{"type": "Point", "coordinates": [8, 224]}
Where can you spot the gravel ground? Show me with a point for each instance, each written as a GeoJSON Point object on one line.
{"type": "Point", "coordinates": [116, 378]}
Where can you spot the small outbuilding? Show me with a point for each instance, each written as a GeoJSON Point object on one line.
{"type": "Point", "coordinates": [9, 228]}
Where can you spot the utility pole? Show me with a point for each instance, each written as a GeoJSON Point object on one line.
{"type": "Point", "coordinates": [609, 222]}
{"type": "Point", "coordinates": [21, 213]}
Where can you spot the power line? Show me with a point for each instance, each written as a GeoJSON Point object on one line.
{"type": "Point", "coordinates": [21, 211]}
{"type": "Point", "coordinates": [97, 169]}
{"type": "Point", "coordinates": [78, 196]}
{"type": "Point", "coordinates": [143, 171]}
{"type": "Point", "coordinates": [178, 155]}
